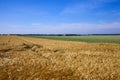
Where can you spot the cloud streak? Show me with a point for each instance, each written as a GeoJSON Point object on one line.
{"type": "Point", "coordinates": [63, 28]}
{"type": "Point", "coordinates": [86, 6]}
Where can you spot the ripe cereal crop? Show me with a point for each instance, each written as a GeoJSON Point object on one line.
{"type": "Point", "coordinates": [27, 58]}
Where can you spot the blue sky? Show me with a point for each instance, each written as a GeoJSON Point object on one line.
{"type": "Point", "coordinates": [60, 16]}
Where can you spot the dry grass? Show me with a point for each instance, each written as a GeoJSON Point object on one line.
{"type": "Point", "coordinates": [23, 58]}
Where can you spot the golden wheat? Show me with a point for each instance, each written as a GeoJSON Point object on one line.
{"type": "Point", "coordinates": [23, 58]}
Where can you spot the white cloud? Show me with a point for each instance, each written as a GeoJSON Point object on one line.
{"type": "Point", "coordinates": [69, 28]}
{"type": "Point", "coordinates": [77, 8]}
{"type": "Point", "coordinates": [82, 7]}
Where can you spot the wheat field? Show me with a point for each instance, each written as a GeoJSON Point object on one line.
{"type": "Point", "coordinates": [24, 58]}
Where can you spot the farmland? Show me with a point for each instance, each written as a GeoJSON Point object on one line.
{"type": "Point", "coordinates": [29, 58]}
{"type": "Point", "coordinates": [90, 39]}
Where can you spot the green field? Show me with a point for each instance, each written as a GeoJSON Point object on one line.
{"type": "Point", "coordinates": [93, 39]}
